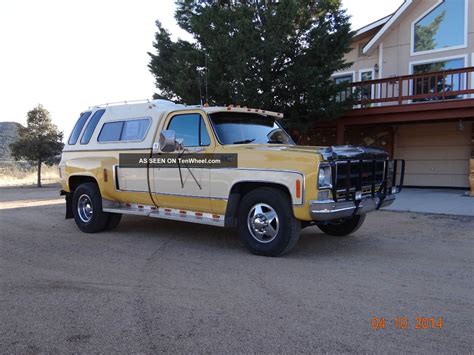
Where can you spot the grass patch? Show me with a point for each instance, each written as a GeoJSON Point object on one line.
{"type": "Point", "coordinates": [21, 174]}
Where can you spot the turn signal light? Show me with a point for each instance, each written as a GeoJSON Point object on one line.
{"type": "Point", "coordinates": [298, 188]}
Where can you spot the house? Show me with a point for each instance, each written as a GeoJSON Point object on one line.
{"type": "Point", "coordinates": [412, 77]}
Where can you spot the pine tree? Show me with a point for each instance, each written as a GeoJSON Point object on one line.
{"type": "Point", "coordinates": [277, 55]}
{"type": "Point", "coordinates": [40, 141]}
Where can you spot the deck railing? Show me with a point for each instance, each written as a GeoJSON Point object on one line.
{"type": "Point", "coordinates": [423, 87]}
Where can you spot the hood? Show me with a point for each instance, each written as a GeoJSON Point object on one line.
{"type": "Point", "coordinates": [346, 152]}
{"type": "Point", "coordinates": [341, 152]}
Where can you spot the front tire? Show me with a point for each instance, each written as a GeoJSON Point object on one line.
{"type": "Point", "coordinates": [87, 208]}
{"type": "Point", "coordinates": [113, 221]}
{"type": "Point", "coordinates": [266, 223]}
{"type": "Point", "coordinates": [343, 227]}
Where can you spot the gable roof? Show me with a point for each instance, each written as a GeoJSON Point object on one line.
{"type": "Point", "coordinates": [391, 21]}
{"type": "Point", "coordinates": [376, 25]}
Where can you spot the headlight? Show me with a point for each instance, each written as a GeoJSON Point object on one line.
{"type": "Point", "coordinates": [324, 177]}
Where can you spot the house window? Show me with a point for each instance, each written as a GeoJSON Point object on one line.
{"type": "Point", "coordinates": [342, 80]}
{"type": "Point", "coordinates": [442, 28]}
{"type": "Point", "coordinates": [366, 90]}
{"type": "Point", "coordinates": [426, 85]}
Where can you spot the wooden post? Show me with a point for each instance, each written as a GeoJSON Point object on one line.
{"type": "Point", "coordinates": [471, 175]}
{"type": "Point", "coordinates": [400, 90]}
{"type": "Point", "coordinates": [340, 132]}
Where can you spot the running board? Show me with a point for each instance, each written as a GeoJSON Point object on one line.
{"type": "Point", "coordinates": [162, 212]}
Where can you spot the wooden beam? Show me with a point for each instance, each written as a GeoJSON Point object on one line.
{"type": "Point", "coordinates": [432, 111]}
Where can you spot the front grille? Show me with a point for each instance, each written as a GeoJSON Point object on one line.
{"type": "Point", "coordinates": [365, 176]}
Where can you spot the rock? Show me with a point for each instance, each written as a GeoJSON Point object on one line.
{"type": "Point", "coordinates": [8, 135]}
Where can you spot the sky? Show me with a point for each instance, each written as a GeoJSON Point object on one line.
{"type": "Point", "coordinates": [69, 55]}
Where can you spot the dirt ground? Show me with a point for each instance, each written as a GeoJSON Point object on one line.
{"type": "Point", "coordinates": [163, 286]}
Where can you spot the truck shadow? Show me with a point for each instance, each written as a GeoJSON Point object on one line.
{"type": "Point", "coordinates": [312, 242]}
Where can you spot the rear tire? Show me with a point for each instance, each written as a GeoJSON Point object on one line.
{"type": "Point", "coordinates": [341, 228]}
{"type": "Point", "coordinates": [87, 208]}
{"type": "Point", "coordinates": [266, 224]}
{"type": "Point", "coordinates": [113, 221]}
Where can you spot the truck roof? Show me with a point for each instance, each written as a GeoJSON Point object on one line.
{"type": "Point", "coordinates": [167, 106]}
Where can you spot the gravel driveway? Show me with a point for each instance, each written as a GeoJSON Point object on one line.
{"type": "Point", "coordinates": [163, 286]}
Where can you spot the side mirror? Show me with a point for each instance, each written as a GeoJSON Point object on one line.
{"type": "Point", "coordinates": [167, 142]}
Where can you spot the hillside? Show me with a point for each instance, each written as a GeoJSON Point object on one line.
{"type": "Point", "coordinates": [8, 135]}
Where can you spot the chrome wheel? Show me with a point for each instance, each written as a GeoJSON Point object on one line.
{"type": "Point", "coordinates": [84, 208]}
{"type": "Point", "coordinates": [263, 223]}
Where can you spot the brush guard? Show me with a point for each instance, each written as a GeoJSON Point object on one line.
{"type": "Point", "coordinates": [359, 186]}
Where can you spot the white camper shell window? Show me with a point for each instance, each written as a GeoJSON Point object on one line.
{"type": "Point", "coordinates": [124, 131]}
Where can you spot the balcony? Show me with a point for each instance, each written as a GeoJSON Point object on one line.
{"type": "Point", "coordinates": [408, 89]}
{"type": "Point", "coordinates": [441, 96]}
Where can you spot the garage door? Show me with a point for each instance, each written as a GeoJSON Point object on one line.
{"type": "Point", "coordinates": [435, 154]}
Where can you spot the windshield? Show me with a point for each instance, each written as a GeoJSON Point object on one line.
{"type": "Point", "coordinates": [244, 128]}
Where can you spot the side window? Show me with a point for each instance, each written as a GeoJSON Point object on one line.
{"type": "Point", "coordinates": [78, 127]}
{"type": "Point", "coordinates": [191, 128]}
{"type": "Point", "coordinates": [110, 132]}
{"type": "Point", "coordinates": [135, 130]}
{"type": "Point", "coordinates": [205, 140]}
{"type": "Point", "coordinates": [86, 137]}
{"type": "Point", "coordinates": [131, 130]}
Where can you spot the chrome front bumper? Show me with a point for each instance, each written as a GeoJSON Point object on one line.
{"type": "Point", "coordinates": [327, 210]}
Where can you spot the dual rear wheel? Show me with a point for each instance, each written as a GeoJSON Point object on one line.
{"type": "Point", "coordinates": [87, 210]}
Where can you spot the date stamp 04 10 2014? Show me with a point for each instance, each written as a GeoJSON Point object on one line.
{"type": "Point", "coordinates": [383, 323]}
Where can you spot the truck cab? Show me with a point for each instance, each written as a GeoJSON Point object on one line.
{"type": "Point", "coordinates": [137, 158]}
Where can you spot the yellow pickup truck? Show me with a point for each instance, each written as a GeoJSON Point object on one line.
{"type": "Point", "coordinates": [222, 166]}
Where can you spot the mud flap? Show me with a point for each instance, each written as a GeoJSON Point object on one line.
{"type": "Point", "coordinates": [68, 197]}
{"type": "Point", "coordinates": [231, 211]}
